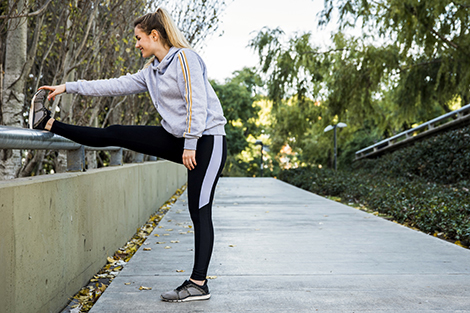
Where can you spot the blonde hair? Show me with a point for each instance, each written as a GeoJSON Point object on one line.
{"type": "Point", "coordinates": [162, 22]}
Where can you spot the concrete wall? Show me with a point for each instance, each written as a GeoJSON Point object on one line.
{"type": "Point", "coordinates": [57, 230]}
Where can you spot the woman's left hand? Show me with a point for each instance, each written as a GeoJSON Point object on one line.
{"type": "Point", "coordinates": [189, 159]}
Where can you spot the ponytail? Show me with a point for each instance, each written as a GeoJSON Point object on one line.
{"type": "Point", "coordinates": [175, 37]}
{"type": "Point", "coordinates": [162, 22]}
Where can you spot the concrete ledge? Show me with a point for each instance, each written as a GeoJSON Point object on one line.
{"type": "Point", "coordinates": [56, 231]}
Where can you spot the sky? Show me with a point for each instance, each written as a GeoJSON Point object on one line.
{"type": "Point", "coordinates": [241, 21]}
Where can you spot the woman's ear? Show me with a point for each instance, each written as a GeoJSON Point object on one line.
{"type": "Point", "coordinates": [154, 35]}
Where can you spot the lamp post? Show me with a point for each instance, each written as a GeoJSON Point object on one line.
{"type": "Point", "coordinates": [328, 128]}
{"type": "Point", "coordinates": [259, 142]}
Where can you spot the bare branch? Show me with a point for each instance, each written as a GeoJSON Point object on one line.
{"type": "Point", "coordinates": [40, 11]}
{"type": "Point", "coordinates": [111, 110]}
{"type": "Point", "coordinates": [85, 37]}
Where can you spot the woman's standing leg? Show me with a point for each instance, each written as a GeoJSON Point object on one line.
{"type": "Point", "coordinates": [210, 157]}
{"type": "Point", "coordinates": [211, 154]}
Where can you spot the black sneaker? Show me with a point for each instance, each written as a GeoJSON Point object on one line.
{"type": "Point", "coordinates": [38, 114]}
{"type": "Point", "coordinates": [188, 291]}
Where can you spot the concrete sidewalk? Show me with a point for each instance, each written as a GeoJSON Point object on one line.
{"type": "Point", "coordinates": [282, 249]}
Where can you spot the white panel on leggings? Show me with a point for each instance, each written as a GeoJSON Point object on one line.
{"type": "Point", "coordinates": [211, 173]}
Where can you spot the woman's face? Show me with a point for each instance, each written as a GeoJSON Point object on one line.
{"type": "Point", "coordinates": [144, 42]}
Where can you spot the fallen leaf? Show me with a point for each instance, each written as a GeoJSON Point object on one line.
{"type": "Point", "coordinates": [78, 309]}
{"type": "Point", "coordinates": [180, 271]}
{"type": "Point", "coordinates": [167, 247]}
{"type": "Point", "coordinates": [160, 242]}
{"type": "Point", "coordinates": [174, 241]}
{"type": "Point", "coordinates": [166, 234]}
{"type": "Point", "coordinates": [169, 229]}
{"type": "Point", "coordinates": [211, 277]}
{"type": "Point", "coordinates": [127, 284]}
{"type": "Point", "coordinates": [147, 249]}
{"type": "Point", "coordinates": [145, 288]}
{"type": "Point", "coordinates": [231, 245]}
{"type": "Point", "coordinates": [157, 235]}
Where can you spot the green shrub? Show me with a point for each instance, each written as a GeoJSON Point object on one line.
{"type": "Point", "coordinates": [443, 158]}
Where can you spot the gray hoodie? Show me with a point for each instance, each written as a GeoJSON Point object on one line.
{"type": "Point", "coordinates": [180, 92]}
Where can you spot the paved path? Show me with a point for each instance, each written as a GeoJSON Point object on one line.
{"type": "Point", "coordinates": [281, 249]}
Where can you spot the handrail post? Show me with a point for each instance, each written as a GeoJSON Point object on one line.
{"type": "Point", "coordinates": [139, 158]}
{"type": "Point", "coordinates": [76, 160]}
{"type": "Point", "coordinates": [116, 157]}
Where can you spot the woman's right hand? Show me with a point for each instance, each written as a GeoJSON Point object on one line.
{"type": "Point", "coordinates": [55, 90]}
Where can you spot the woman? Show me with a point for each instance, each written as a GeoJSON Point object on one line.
{"type": "Point", "coordinates": [192, 131]}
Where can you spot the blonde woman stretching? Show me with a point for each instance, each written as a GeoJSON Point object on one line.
{"type": "Point", "coordinates": [192, 131]}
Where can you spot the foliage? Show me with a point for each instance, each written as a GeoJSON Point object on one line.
{"type": "Point", "coordinates": [237, 96]}
{"type": "Point", "coordinates": [311, 89]}
{"type": "Point", "coordinates": [442, 159]}
{"type": "Point", "coordinates": [433, 42]}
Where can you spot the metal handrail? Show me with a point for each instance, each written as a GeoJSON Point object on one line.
{"type": "Point", "coordinates": [22, 138]}
{"type": "Point", "coordinates": [429, 124]}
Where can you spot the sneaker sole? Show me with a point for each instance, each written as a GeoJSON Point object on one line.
{"type": "Point", "coordinates": [31, 111]}
{"type": "Point", "coordinates": [190, 298]}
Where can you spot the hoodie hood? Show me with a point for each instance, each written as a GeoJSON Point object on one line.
{"type": "Point", "coordinates": [163, 65]}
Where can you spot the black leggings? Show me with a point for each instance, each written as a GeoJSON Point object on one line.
{"type": "Point", "coordinates": [154, 140]}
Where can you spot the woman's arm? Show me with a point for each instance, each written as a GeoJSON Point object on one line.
{"type": "Point", "coordinates": [192, 85]}
{"type": "Point", "coordinates": [124, 85]}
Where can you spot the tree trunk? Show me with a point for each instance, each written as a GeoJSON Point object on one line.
{"type": "Point", "coordinates": [13, 97]}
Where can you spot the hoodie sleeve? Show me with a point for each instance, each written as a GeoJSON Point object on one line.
{"type": "Point", "coordinates": [124, 85]}
{"type": "Point", "coordinates": [194, 93]}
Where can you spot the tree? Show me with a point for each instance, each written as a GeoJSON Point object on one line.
{"type": "Point", "coordinates": [432, 42]}
{"type": "Point", "coordinates": [238, 96]}
{"type": "Point", "coordinates": [13, 81]}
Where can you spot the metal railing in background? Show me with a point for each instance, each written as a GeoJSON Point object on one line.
{"type": "Point", "coordinates": [459, 117]}
{"type": "Point", "coordinates": [22, 138]}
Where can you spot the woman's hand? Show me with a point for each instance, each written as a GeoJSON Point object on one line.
{"type": "Point", "coordinates": [56, 90]}
{"type": "Point", "coordinates": [189, 159]}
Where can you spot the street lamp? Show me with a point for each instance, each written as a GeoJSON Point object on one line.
{"type": "Point", "coordinates": [259, 142]}
{"type": "Point", "coordinates": [328, 128]}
